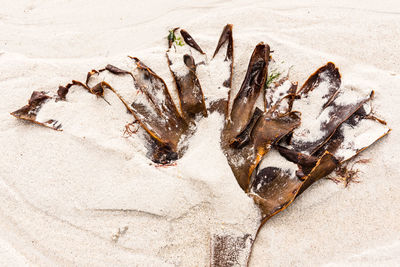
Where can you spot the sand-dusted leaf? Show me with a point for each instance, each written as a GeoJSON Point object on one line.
{"type": "Point", "coordinates": [305, 162]}
{"type": "Point", "coordinates": [154, 109]}
{"type": "Point", "coordinates": [182, 61]}
{"type": "Point", "coordinates": [275, 183]}
{"type": "Point", "coordinates": [63, 91]}
{"type": "Point", "coordinates": [324, 108]}
{"type": "Point", "coordinates": [155, 89]}
{"type": "Point", "coordinates": [226, 38]}
{"type": "Point", "coordinates": [325, 165]}
{"type": "Point", "coordinates": [356, 134]}
{"type": "Point", "coordinates": [327, 75]}
{"type": "Point", "coordinates": [221, 68]}
{"type": "Point", "coordinates": [30, 111]}
{"type": "Point", "coordinates": [253, 83]}
{"type": "Point", "coordinates": [249, 133]}
{"type": "Point", "coordinates": [190, 41]}
{"type": "Point", "coordinates": [244, 137]}
{"type": "Point", "coordinates": [279, 96]}
{"type": "Point", "coordinates": [246, 151]}
{"type": "Point", "coordinates": [38, 99]}
{"type": "Point", "coordinates": [115, 70]}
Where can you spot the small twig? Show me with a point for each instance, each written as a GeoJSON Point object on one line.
{"type": "Point", "coordinates": [106, 100]}
{"type": "Point", "coordinates": [129, 130]}
{"type": "Point", "coordinates": [346, 174]}
{"type": "Point", "coordinates": [371, 116]}
{"type": "Point", "coordinates": [165, 165]}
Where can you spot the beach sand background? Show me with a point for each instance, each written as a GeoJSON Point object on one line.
{"type": "Point", "coordinates": [57, 190]}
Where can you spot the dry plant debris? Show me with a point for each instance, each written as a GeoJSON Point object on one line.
{"type": "Point", "coordinates": [276, 151]}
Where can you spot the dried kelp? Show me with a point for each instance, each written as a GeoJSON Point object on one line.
{"type": "Point", "coordinates": [243, 119]}
{"type": "Point", "coordinates": [279, 96]}
{"type": "Point", "coordinates": [222, 60]}
{"type": "Point", "coordinates": [276, 183]}
{"type": "Point", "coordinates": [357, 133]}
{"type": "Point", "coordinates": [29, 112]}
{"type": "Point", "coordinates": [156, 111]}
{"type": "Point", "coordinates": [265, 132]}
{"type": "Point", "coordinates": [275, 151]}
{"type": "Point", "coordinates": [334, 132]}
{"type": "Point", "coordinates": [253, 83]}
{"type": "Point", "coordinates": [38, 99]}
{"type": "Point", "coordinates": [182, 63]}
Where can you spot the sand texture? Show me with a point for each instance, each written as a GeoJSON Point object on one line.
{"type": "Point", "coordinates": [87, 196]}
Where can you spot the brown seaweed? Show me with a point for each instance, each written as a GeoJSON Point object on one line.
{"type": "Point", "coordinates": [274, 188]}
{"type": "Point", "coordinates": [190, 41]}
{"type": "Point", "coordinates": [63, 91]}
{"type": "Point", "coordinates": [183, 69]}
{"type": "Point", "coordinates": [266, 131]}
{"type": "Point", "coordinates": [279, 97]}
{"type": "Point", "coordinates": [226, 38]}
{"type": "Point", "coordinates": [243, 138]}
{"type": "Point", "coordinates": [305, 162]}
{"type": "Point", "coordinates": [328, 73]}
{"type": "Point", "coordinates": [335, 109]}
{"type": "Point", "coordinates": [30, 111]}
{"type": "Point", "coordinates": [272, 151]}
{"type": "Point", "coordinates": [356, 134]}
{"type": "Point", "coordinates": [253, 83]}
{"type": "Point", "coordinates": [155, 110]}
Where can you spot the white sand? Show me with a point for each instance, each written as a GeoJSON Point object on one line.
{"type": "Point", "coordinates": [65, 194]}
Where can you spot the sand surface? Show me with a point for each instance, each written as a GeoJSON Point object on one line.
{"type": "Point", "coordinates": [64, 195]}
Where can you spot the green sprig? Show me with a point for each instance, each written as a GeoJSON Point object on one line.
{"type": "Point", "coordinates": [273, 76]}
{"type": "Point", "coordinates": [173, 39]}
